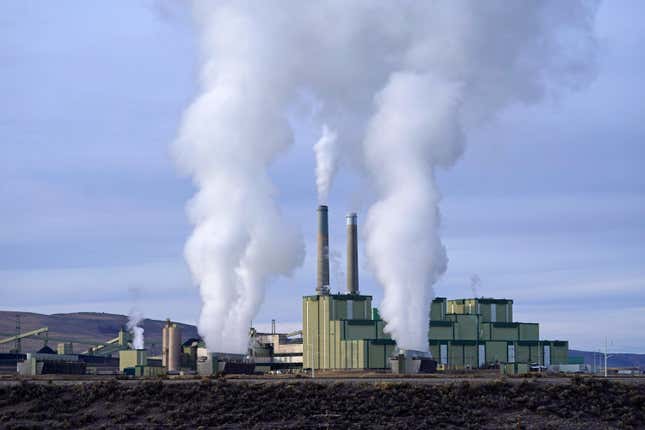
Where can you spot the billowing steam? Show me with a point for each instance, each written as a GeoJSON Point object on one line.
{"type": "Point", "coordinates": [134, 319]}
{"type": "Point", "coordinates": [229, 137]}
{"type": "Point", "coordinates": [398, 86]}
{"type": "Point", "coordinates": [413, 112]}
{"type": "Point", "coordinates": [326, 162]}
{"type": "Point", "coordinates": [465, 63]}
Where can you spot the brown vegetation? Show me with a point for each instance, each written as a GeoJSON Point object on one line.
{"type": "Point", "coordinates": [585, 403]}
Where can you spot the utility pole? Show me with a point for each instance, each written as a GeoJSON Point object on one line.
{"type": "Point", "coordinates": [605, 356]}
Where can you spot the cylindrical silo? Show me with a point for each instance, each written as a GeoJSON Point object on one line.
{"type": "Point", "coordinates": [174, 348]}
{"type": "Point", "coordinates": [322, 286]}
{"type": "Point", "coordinates": [352, 254]}
{"type": "Point", "coordinates": [164, 343]}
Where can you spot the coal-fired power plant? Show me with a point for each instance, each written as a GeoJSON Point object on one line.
{"type": "Point", "coordinates": [322, 286]}
{"type": "Point", "coordinates": [341, 331]}
{"type": "Point", "coordinates": [352, 254]}
{"type": "Point", "coordinates": [401, 123]}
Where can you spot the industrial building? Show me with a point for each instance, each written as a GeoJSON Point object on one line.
{"type": "Point", "coordinates": [97, 360]}
{"type": "Point", "coordinates": [480, 332]}
{"type": "Point", "coordinates": [342, 331]}
{"type": "Point", "coordinates": [276, 352]}
{"type": "Point", "coordinates": [212, 363]}
{"type": "Point", "coordinates": [46, 361]}
{"type": "Point", "coordinates": [135, 362]}
{"type": "Point", "coordinates": [189, 353]}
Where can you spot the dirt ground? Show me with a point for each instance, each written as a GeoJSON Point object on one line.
{"type": "Point", "coordinates": [582, 403]}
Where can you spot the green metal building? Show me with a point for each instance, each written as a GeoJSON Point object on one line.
{"type": "Point", "coordinates": [480, 332]}
{"type": "Point", "coordinates": [132, 358]}
{"type": "Point", "coordinates": [341, 331]}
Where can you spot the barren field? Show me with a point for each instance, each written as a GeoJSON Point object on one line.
{"type": "Point", "coordinates": [583, 403]}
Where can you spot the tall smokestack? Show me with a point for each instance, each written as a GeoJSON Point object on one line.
{"type": "Point", "coordinates": [352, 254]}
{"type": "Point", "coordinates": [322, 287]}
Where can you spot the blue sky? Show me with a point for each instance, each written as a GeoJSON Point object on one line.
{"type": "Point", "coordinates": [547, 206]}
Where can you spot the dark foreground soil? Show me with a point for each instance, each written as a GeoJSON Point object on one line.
{"type": "Point", "coordinates": [583, 404]}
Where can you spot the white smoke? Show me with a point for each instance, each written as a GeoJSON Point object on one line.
{"type": "Point", "coordinates": [134, 319]}
{"type": "Point", "coordinates": [399, 85]}
{"type": "Point", "coordinates": [229, 137]}
{"type": "Point", "coordinates": [403, 226]}
{"type": "Point", "coordinates": [326, 161]}
{"type": "Point", "coordinates": [468, 62]}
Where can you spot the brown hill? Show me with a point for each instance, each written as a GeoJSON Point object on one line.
{"type": "Point", "coordinates": [84, 329]}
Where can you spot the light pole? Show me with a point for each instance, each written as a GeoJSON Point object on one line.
{"type": "Point", "coordinates": [605, 356]}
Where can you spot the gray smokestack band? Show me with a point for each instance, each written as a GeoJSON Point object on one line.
{"type": "Point", "coordinates": [352, 254]}
{"type": "Point", "coordinates": [322, 287]}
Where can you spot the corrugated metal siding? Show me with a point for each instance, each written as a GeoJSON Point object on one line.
{"type": "Point", "coordinates": [529, 331]}
{"type": "Point", "coordinates": [455, 355]}
{"type": "Point", "coordinates": [438, 309]}
{"type": "Point", "coordinates": [522, 353]}
{"type": "Point", "coordinates": [535, 353]}
{"type": "Point", "coordinates": [441, 332]}
{"type": "Point", "coordinates": [471, 356]}
{"type": "Point", "coordinates": [332, 342]}
{"type": "Point", "coordinates": [466, 327]}
{"type": "Point", "coordinates": [504, 333]}
{"type": "Point", "coordinates": [496, 351]}
{"type": "Point", "coordinates": [560, 353]}
{"type": "Point", "coordinates": [361, 331]}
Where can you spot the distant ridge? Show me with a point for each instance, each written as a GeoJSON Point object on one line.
{"type": "Point", "coordinates": [614, 360]}
{"type": "Point", "coordinates": [84, 329]}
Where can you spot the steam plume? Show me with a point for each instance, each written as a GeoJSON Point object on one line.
{"type": "Point", "coordinates": [326, 159]}
{"type": "Point", "coordinates": [468, 62]}
{"type": "Point", "coordinates": [399, 86]}
{"type": "Point", "coordinates": [229, 137]}
{"type": "Point", "coordinates": [134, 319]}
